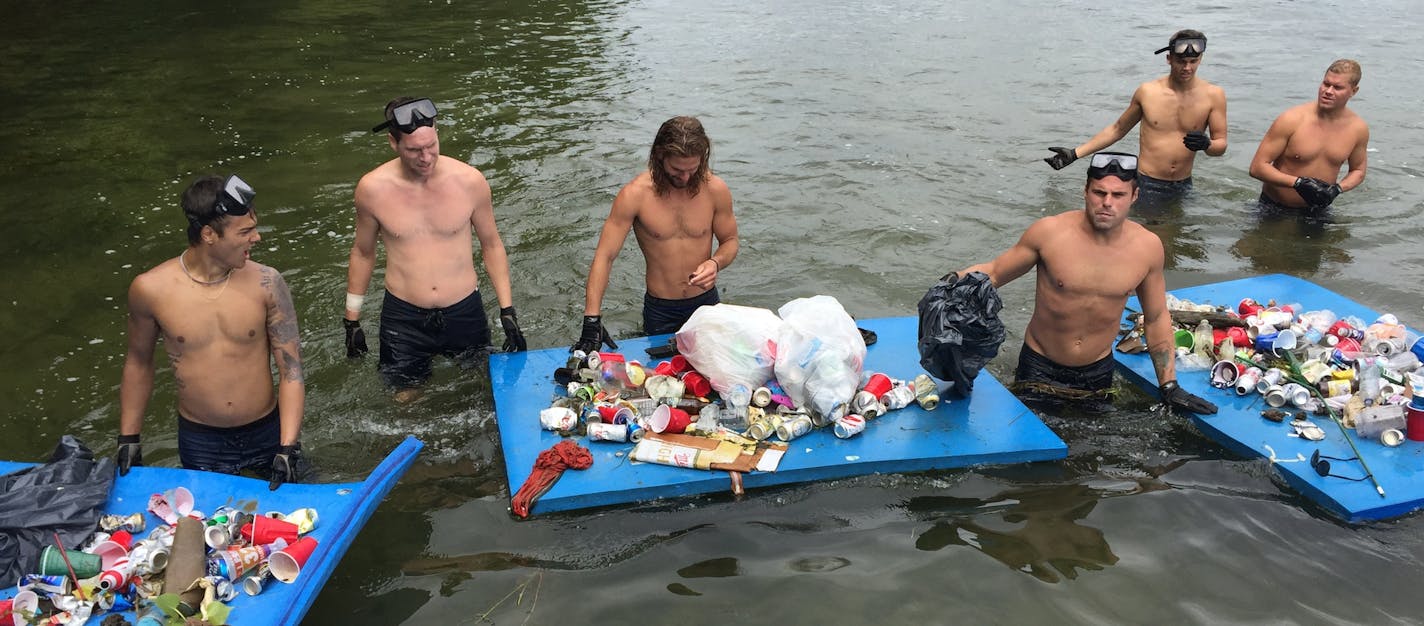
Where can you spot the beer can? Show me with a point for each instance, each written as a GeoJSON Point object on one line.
{"type": "Point", "coordinates": [577, 359]}
{"type": "Point", "coordinates": [558, 418]}
{"type": "Point", "coordinates": [849, 426]}
{"type": "Point", "coordinates": [863, 401]}
{"type": "Point", "coordinates": [53, 584]}
{"type": "Point", "coordinates": [608, 432]}
{"type": "Point", "coordinates": [761, 397]}
{"type": "Point", "coordinates": [793, 428]}
{"type": "Point", "coordinates": [133, 523]}
{"type": "Point", "coordinates": [926, 392]}
{"type": "Point", "coordinates": [764, 427]}
{"type": "Point", "coordinates": [589, 414]}
{"type": "Point", "coordinates": [899, 397]}
{"type": "Point", "coordinates": [636, 430]}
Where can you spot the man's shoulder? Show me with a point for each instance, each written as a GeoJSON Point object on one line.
{"type": "Point", "coordinates": [149, 283]}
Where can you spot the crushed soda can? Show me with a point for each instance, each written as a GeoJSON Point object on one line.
{"type": "Point", "coordinates": [849, 426]}
{"type": "Point", "coordinates": [133, 523]}
{"type": "Point", "coordinates": [899, 397]}
{"type": "Point", "coordinates": [253, 583]}
{"type": "Point", "coordinates": [764, 426]}
{"type": "Point", "coordinates": [558, 418]}
{"type": "Point", "coordinates": [926, 392]}
{"type": "Point", "coordinates": [55, 584]}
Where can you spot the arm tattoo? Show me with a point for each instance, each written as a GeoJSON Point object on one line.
{"type": "Point", "coordinates": [282, 330]}
{"type": "Point", "coordinates": [1160, 359]}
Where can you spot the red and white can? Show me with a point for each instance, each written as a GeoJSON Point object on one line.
{"type": "Point", "coordinates": [608, 432]}
{"type": "Point", "coordinates": [558, 418]}
{"type": "Point", "coordinates": [849, 426]}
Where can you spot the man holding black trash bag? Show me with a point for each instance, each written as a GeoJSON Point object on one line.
{"type": "Point", "coordinates": [1088, 262]}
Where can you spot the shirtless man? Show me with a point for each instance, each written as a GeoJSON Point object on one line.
{"type": "Point", "coordinates": [224, 319]}
{"type": "Point", "coordinates": [1088, 263]}
{"type": "Point", "coordinates": [1175, 110]}
{"type": "Point", "coordinates": [1298, 162]}
{"type": "Point", "coordinates": [675, 208]}
{"type": "Point", "coordinates": [423, 207]}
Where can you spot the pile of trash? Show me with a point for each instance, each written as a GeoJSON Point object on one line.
{"type": "Point", "coordinates": [188, 566]}
{"type": "Point", "coordinates": [742, 374]}
{"type": "Point", "coordinates": [1365, 373]}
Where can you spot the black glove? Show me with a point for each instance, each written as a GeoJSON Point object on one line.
{"type": "Point", "coordinates": [1175, 396]}
{"type": "Point", "coordinates": [284, 465]}
{"type": "Point", "coordinates": [130, 454]}
{"type": "Point", "coordinates": [594, 335]}
{"type": "Point", "coordinates": [355, 339]}
{"type": "Point", "coordinates": [1196, 140]}
{"type": "Point", "coordinates": [1316, 192]}
{"type": "Point", "coordinates": [513, 337]}
{"type": "Point", "coordinates": [1061, 158]}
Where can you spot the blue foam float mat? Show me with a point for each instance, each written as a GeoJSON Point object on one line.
{"type": "Point", "coordinates": [342, 510]}
{"type": "Point", "coordinates": [1238, 424]}
{"type": "Point", "coordinates": [991, 427]}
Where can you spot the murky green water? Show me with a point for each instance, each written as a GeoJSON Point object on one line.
{"type": "Point", "coordinates": [870, 146]}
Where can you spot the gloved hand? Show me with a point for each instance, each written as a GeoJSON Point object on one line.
{"type": "Point", "coordinates": [1061, 158]}
{"type": "Point", "coordinates": [594, 335]}
{"type": "Point", "coordinates": [284, 465]}
{"type": "Point", "coordinates": [130, 454]}
{"type": "Point", "coordinates": [1316, 192]}
{"type": "Point", "coordinates": [513, 337]}
{"type": "Point", "coordinates": [1175, 396]}
{"type": "Point", "coordinates": [355, 339]}
{"type": "Point", "coordinates": [1196, 140]}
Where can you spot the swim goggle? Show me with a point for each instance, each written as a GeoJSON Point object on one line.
{"type": "Point", "coordinates": [236, 197]}
{"type": "Point", "coordinates": [1119, 164]}
{"type": "Point", "coordinates": [410, 116]}
{"type": "Point", "coordinates": [1185, 47]}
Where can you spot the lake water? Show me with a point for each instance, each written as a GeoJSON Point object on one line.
{"type": "Point", "coordinates": [870, 147]}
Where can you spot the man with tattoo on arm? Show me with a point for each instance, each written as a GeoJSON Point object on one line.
{"type": "Point", "coordinates": [224, 320]}
{"type": "Point", "coordinates": [1088, 263]}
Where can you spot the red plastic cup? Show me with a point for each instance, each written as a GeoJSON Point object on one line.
{"type": "Point", "coordinates": [878, 385]}
{"type": "Point", "coordinates": [1238, 337]}
{"type": "Point", "coordinates": [679, 364]}
{"type": "Point", "coordinates": [264, 530]}
{"type": "Point", "coordinates": [1414, 424]}
{"type": "Point", "coordinates": [1248, 307]}
{"type": "Point", "coordinates": [696, 384]}
{"type": "Point", "coordinates": [286, 564]}
{"type": "Point", "coordinates": [667, 419]}
{"type": "Point", "coordinates": [615, 414]}
{"type": "Point", "coordinates": [665, 369]}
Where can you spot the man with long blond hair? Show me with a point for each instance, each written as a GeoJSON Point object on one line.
{"type": "Point", "coordinates": [675, 208]}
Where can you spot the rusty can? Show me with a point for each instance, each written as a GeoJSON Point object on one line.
{"type": "Point", "coordinates": [793, 428]}
{"type": "Point", "coordinates": [926, 392]}
{"type": "Point", "coordinates": [608, 432]}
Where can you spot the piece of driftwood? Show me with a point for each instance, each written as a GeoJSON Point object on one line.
{"type": "Point", "coordinates": [1217, 319]}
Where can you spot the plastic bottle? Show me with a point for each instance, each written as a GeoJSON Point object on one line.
{"type": "Point", "coordinates": [1369, 381]}
{"type": "Point", "coordinates": [1201, 341]}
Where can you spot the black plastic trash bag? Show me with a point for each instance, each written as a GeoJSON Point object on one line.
{"type": "Point", "coordinates": [960, 329]}
{"type": "Point", "coordinates": [65, 495]}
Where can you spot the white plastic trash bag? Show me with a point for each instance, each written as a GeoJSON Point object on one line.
{"type": "Point", "coordinates": [820, 354]}
{"type": "Point", "coordinates": [731, 345]}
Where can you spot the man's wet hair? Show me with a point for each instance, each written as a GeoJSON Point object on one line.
{"type": "Point", "coordinates": [200, 207]}
{"type": "Point", "coordinates": [1348, 67]}
{"type": "Point", "coordinates": [681, 136]}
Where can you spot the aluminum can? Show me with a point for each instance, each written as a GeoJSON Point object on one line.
{"type": "Point", "coordinates": [761, 397]}
{"type": "Point", "coordinates": [608, 432]}
{"type": "Point", "coordinates": [899, 397]}
{"type": "Point", "coordinates": [558, 418]}
{"type": "Point", "coordinates": [133, 523]}
{"type": "Point", "coordinates": [849, 426]}
{"type": "Point", "coordinates": [926, 392]}
{"type": "Point", "coordinates": [764, 427]}
{"type": "Point", "coordinates": [793, 428]}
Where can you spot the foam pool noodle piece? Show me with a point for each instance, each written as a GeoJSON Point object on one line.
{"type": "Point", "coordinates": [187, 562]}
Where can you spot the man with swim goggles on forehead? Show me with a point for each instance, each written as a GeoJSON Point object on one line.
{"type": "Point", "coordinates": [224, 319]}
{"type": "Point", "coordinates": [1299, 159]}
{"type": "Point", "coordinates": [1176, 110]}
{"type": "Point", "coordinates": [425, 207]}
{"type": "Point", "coordinates": [1088, 263]}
